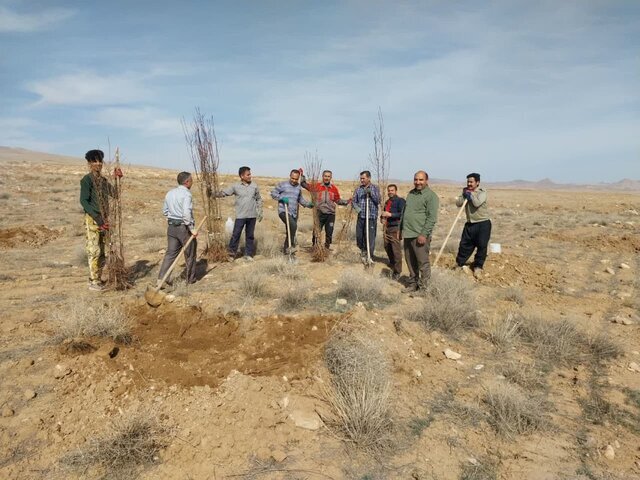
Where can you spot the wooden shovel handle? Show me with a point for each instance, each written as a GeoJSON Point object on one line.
{"type": "Point", "coordinates": [464, 204]}
{"type": "Point", "coordinates": [175, 262]}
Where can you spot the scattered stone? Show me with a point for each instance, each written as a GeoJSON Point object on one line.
{"type": "Point", "coordinates": [341, 301]}
{"type": "Point", "coordinates": [634, 367]}
{"type": "Point", "coordinates": [335, 282]}
{"type": "Point", "coordinates": [108, 350]}
{"type": "Point", "coordinates": [61, 371]}
{"type": "Point", "coordinates": [417, 373]}
{"type": "Point", "coordinates": [473, 461]}
{"type": "Point", "coordinates": [609, 453]}
{"type": "Point", "coordinates": [610, 271]}
{"type": "Point", "coordinates": [450, 354]}
{"type": "Point", "coordinates": [478, 367]}
{"type": "Point", "coordinates": [170, 298]}
{"type": "Point", "coordinates": [284, 403]}
{"type": "Point", "coordinates": [624, 266]}
{"type": "Point", "coordinates": [29, 394]}
{"type": "Point", "coordinates": [7, 411]}
{"type": "Point", "coordinates": [314, 328]}
{"type": "Point", "coordinates": [622, 320]}
{"type": "Point", "coordinates": [44, 277]}
{"type": "Point", "coordinates": [305, 419]}
{"type": "Point", "coordinates": [279, 455]}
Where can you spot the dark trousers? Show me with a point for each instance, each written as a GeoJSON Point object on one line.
{"type": "Point", "coordinates": [326, 221]}
{"type": "Point", "coordinates": [361, 238]}
{"type": "Point", "coordinates": [177, 237]}
{"type": "Point", "coordinates": [249, 224]}
{"type": "Point", "coordinates": [393, 247]}
{"type": "Point", "coordinates": [417, 257]}
{"type": "Point", "coordinates": [293, 225]}
{"type": "Point", "coordinates": [474, 235]}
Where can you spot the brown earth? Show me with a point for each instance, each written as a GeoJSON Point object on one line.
{"type": "Point", "coordinates": [228, 375]}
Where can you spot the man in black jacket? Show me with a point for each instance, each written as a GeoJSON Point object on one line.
{"type": "Point", "coordinates": [391, 216]}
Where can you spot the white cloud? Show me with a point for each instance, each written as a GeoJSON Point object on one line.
{"type": "Point", "coordinates": [147, 120]}
{"type": "Point", "coordinates": [32, 22]}
{"type": "Point", "coordinates": [90, 89]}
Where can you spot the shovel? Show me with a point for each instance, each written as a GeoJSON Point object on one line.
{"type": "Point", "coordinates": [286, 217]}
{"type": "Point", "coordinates": [464, 204]}
{"type": "Point", "coordinates": [153, 295]}
{"type": "Point", "coordinates": [369, 261]}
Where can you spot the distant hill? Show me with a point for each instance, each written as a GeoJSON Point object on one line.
{"type": "Point", "coordinates": [624, 185]}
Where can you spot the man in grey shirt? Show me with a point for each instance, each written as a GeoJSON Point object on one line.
{"type": "Point", "coordinates": [248, 207]}
{"type": "Point", "coordinates": [178, 208]}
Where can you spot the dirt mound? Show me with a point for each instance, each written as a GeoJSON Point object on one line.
{"type": "Point", "coordinates": [623, 243]}
{"type": "Point", "coordinates": [184, 346]}
{"type": "Point", "coordinates": [34, 236]}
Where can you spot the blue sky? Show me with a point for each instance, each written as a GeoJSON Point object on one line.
{"type": "Point", "coordinates": [511, 89]}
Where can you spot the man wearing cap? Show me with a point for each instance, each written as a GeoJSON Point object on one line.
{"type": "Point", "coordinates": [418, 220]}
{"type": "Point", "coordinates": [477, 229]}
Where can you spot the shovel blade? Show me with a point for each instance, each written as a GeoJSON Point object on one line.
{"type": "Point", "coordinates": [153, 297]}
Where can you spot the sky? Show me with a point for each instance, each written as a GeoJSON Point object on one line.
{"type": "Point", "coordinates": [510, 89]}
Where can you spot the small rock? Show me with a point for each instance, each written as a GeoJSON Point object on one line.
{"type": "Point", "coordinates": [279, 455]}
{"type": "Point", "coordinates": [417, 373]}
{"type": "Point", "coordinates": [610, 271]}
{"type": "Point", "coordinates": [341, 301]}
{"type": "Point", "coordinates": [284, 403]}
{"type": "Point", "coordinates": [335, 282]}
{"type": "Point", "coordinates": [634, 367]}
{"type": "Point", "coordinates": [29, 394]}
{"type": "Point", "coordinates": [7, 411]}
{"type": "Point", "coordinates": [314, 328]}
{"type": "Point", "coordinates": [108, 350]}
{"type": "Point", "coordinates": [624, 266]}
{"type": "Point", "coordinates": [305, 419]}
{"type": "Point", "coordinates": [450, 354]}
{"type": "Point", "coordinates": [44, 277]}
{"type": "Point", "coordinates": [478, 367]}
{"type": "Point", "coordinates": [61, 371]}
{"type": "Point", "coordinates": [473, 461]}
{"type": "Point", "coordinates": [622, 320]}
{"type": "Point", "coordinates": [609, 453]}
{"type": "Point", "coordinates": [170, 298]}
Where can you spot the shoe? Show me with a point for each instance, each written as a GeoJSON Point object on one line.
{"type": "Point", "coordinates": [478, 273]}
{"type": "Point", "coordinates": [248, 259]}
{"type": "Point", "coordinates": [467, 270]}
{"type": "Point", "coordinates": [395, 276]}
{"type": "Point", "coordinates": [96, 286]}
{"type": "Point", "coordinates": [411, 288]}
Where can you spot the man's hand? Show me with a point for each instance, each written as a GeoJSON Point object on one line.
{"type": "Point", "coordinates": [194, 233]}
{"type": "Point", "coordinates": [421, 240]}
{"type": "Point", "coordinates": [386, 214]}
{"type": "Point", "coordinates": [260, 217]}
{"type": "Point", "coordinates": [104, 227]}
{"type": "Point", "coordinates": [311, 204]}
{"type": "Point", "coordinates": [367, 191]}
{"type": "Point", "coordinates": [118, 172]}
{"type": "Point", "coordinates": [301, 171]}
{"type": "Point", "coordinates": [285, 200]}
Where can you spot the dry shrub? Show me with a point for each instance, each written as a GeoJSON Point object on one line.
{"type": "Point", "coordinates": [267, 243]}
{"type": "Point", "coordinates": [503, 332]}
{"type": "Point", "coordinates": [513, 411]}
{"type": "Point", "coordinates": [359, 395]}
{"type": "Point", "coordinates": [357, 286]}
{"type": "Point", "coordinates": [515, 295]}
{"type": "Point", "coordinates": [483, 469]}
{"type": "Point", "coordinates": [458, 411]}
{"type": "Point", "coordinates": [132, 442]}
{"type": "Point", "coordinates": [294, 299]}
{"type": "Point", "coordinates": [602, 347]}
{"type": "Point", "coordinates": [280, 267]}
{"type": "Point", "coordinates": [83, 319]}
{"type": "Point", "coordinates": [254, 285]}
{"type": "Point", "coordinates": [525, 375]}
{"type": "Point", "coordinates": [449, 304]}
{"type": "Point", "coordinates": [558, 342]}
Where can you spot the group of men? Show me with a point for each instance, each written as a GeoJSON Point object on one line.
{"type": "Point", "coordinates": [407, 223]}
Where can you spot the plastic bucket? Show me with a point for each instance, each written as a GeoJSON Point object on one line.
{"type": "Point", "coordinates": [495, 248]}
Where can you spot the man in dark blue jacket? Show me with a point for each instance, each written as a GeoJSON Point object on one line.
{"type": "Point", "coordinates": [390, 217]}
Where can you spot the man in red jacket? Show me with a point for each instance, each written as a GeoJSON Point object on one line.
{"type": "Point", "coordinates": [325, 197]}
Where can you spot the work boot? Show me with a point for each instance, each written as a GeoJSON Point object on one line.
{"type": "Point", "coordinates": [478, 273]}
{"type": "Point", "coordinates": [411, 288]}
{"type": "Point", "coordinates": [467, 270]}
{"type": "Point", "coordinates": [96, 286]}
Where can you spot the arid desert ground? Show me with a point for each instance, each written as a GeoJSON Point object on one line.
{"type": "Point", "coordinates": [272, 370]}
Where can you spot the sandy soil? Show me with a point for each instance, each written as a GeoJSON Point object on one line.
{"type": "Point", "coordinates": [238, 382]}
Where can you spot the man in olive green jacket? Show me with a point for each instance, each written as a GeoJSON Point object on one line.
{"type": "Point", "coordinates": [418, 220]}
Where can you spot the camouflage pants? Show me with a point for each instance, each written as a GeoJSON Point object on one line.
{"type": "Point", "coordinates": [94, 249]}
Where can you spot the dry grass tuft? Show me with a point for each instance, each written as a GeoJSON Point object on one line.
{"type": "Point", "coordinates": [132, 442]}
{"type": "Point", "coordinates": [357, 286]}
{"type": "Point", "coordinates": [483, 469]}
{"type": "Point", "coordinates": [84, 319]}
{"type": "Point", "coordinates": [294, 299]}
{"type": "Point", "coordinates": [513, 411]}
{"type": "Point", "coordinates": [280, 267]}
{"type": "Point", "coordinates": [268, 243]}
{"type": "Point", "coordinates": [515, 295]}
{"type": "Point", "coordinates": [503, 332]}
{"type": "Point", "coordinates": [526, 376]}
{"type": "Point", "coordinates": [254, 285]}
{"type": "Point", "coordinates": [449, 305]}
{"type": "Point", "coordinates": [602, 347]}
{"type": "Point", "coordinates": [359, 395]}
{"type": "Point", "coordinates": [558, 342]}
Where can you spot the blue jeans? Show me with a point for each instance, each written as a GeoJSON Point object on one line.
{"type": "Point", "coordinates": [361, 235]}
{"type": "Point", "coordinates": [250, 247]}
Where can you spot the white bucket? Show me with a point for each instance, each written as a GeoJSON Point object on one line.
{"type": "Point", "coordinates": [228, 226]}
{"type": "Point", "coordinates": [495, 248]}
